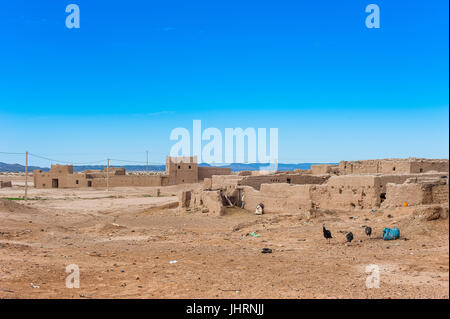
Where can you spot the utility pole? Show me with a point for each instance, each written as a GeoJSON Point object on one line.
{"type": "Point", "coordinates": [26, 176]}
{"type": "Point", "coordinates": [146, 170]}
{"type": "Point", "coordinates": [107, 175]}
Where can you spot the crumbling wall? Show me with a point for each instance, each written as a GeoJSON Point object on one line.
{"type": "Point", "coordinates": [339, 192]}
{"type": "Point", "coordinates": [128, 180]}
{"type": "Point", "coordinates": [383, 180]}
{"type": "Point", "coordinates": [360, 191]}
{"type": "Point", "coordinates": [115, 170]}
{"type": "Point", "coordinates": [207, 184]}
{"type": "Point", "coordinates": [358, 167]}
{"type": "Point", "coordinates": [278, 198]}
{"type": "Point", "coordinates": [416, 194]}
{"type": "Point", "coordinates": [439, 194]}
{"type": "Point", "coordinates": [319, 169]}
{"type": "Point", "coordinates": [212, 201]}
{"type": "Point", "coordinates": [347, 192]}
{"type": "Point", "coordinates": [426, 165]}
{"type": "Point", "coordinates": [208, 172]}
{"type": "Point", "coordinates": [397, 194]}
{"type": "Point", "coordinates": [257, 181]}
{"type": "Point", "coordinates": [96, 179]}
{"type": "Point", "coordinates": [307, 179]}
{"type": "Point", "coordinates": [185, 199]}
{"type": "Point", "coordinates": [206, 201]}
{"type": "Point", "coordinates": [225, 181]}
{"type": "Point", "coordinates": [393, 166]}
{"type": "Point", "coordinates": [4, 184]}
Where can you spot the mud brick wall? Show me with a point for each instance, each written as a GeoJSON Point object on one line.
{"type": "Point", "coordinates": [439, 194]}
{"type": "Point", "coordinates": [278, 198]}
{"type": "Point", "coordinates": [4, 184]}
{"type": "Point", "coordinates": [225, 181]}
{"type": "Point", "coordinates": [258, 180]}
{"type": "Point", "coordinates": [393, 166]}
{"type": "Point", "coordinates": [208, 172]}
{"type": "Point", "coordinates": [319, 169]}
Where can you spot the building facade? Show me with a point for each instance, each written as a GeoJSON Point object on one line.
{"type": "Point", "coordinates": [179, 170]}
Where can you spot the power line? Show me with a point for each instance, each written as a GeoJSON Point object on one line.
{"type": "Point", "coordinates": [66, 162]}
{"type": "Point", "coordinates": [22, 153]}
{"type": "Point", "coordinates": [126, 161]}
{"type": "Point", "coordinates": [80, 163]}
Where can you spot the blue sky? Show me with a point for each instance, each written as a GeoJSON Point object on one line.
{"type": "Point", "coordinates": [135, 70]}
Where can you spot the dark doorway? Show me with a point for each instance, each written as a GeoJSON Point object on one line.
{"type": "Point", "coordinates": [382, 197]}
{"type": "Point", "coordinates": [89, 183]}
{"type": "Point", "coordinates": [54, 183]}
{"type": "Point", "coordinates": [289, 180]}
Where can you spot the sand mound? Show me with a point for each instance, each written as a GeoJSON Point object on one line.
{"type": "Point", "coordinates": [15, 207]}
{"type": "Point", "coordinates": [426, 220]}
{"type": "Point", "coordinates": [160, 207]}
{"type": "Point", "coordinates": [110, 228]}
{"type": "Point", "coordinates": [431, 212]}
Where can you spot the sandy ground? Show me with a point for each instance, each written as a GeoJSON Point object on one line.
{"type": "Point", "coordinates": [124, 240]}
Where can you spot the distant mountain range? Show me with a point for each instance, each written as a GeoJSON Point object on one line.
{"type": "Point", "coordinates": [235, 167]}
{"type": "Point", "coordinates": [16, 168]}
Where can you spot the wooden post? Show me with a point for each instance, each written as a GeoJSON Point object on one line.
{"type": "Point", "coordinates": [146, 170]}
{"type": "Point", "coordinates": [26, 176]}
{"type": "Point", "coordinates": [107, 175]}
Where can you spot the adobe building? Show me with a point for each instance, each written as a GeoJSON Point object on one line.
{"type": "Point", "coordinates": [360, 185]}
{"type": "Point", "coordinates": [318, 169]}
{"type": "Point", "coordinates": [185, 170]}
{"type": "Point", "coordinates": [179, 170]}
{"type": "Point", "coordinates": [393, 166]}
{"type": "Point", "coordinates": [182, 170]}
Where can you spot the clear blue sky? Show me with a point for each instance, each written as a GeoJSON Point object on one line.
{"type": "Point", "coordinates": [135, 70]}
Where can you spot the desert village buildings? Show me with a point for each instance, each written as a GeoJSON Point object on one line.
{"type": "Point", "coordinates": [367, 184]}
{"type": "Point", "coordinates": [178, 171]}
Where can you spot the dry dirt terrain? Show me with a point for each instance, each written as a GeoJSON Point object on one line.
{"type": "Point", "coordinates": [124, 241]}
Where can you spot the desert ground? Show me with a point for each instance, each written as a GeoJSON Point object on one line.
{"type": "Point", "coordinates": [126, 241]}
